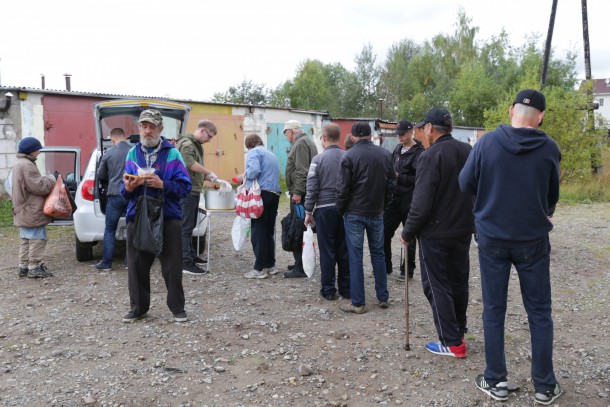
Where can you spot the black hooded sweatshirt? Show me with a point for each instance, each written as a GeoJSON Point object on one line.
{"type": "Point", "coordinates": [514, 175]}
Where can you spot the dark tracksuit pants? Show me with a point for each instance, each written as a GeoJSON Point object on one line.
{"type": "Point", "coordinates": [395, 214]}
{"type": "Point", "coordinates": [263, 231]}
{"type": "Point", "coordinates": [139, 264]}
{"type": "Point", "coordinates": [333, 251]}
{"type": "Point", "coordinates": [445, 269]}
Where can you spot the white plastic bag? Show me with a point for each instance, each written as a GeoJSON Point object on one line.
{"type": "Point", "coordinates": [309, 252]}
{"type": "Point", "coordinates": [240, 232]}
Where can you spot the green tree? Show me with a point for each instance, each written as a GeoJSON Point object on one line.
{"type": "Point", "coordinates": [246, 92]}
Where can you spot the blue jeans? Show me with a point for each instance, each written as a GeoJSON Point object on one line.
{"type": "Point", "coordinates": [190, 209]}
{"type": "Point", "coordinates": [532, 263]}
{"type": "Point", "coordinates": [115, 207]}
{"type": "Point", "coordinates": [355, 226]}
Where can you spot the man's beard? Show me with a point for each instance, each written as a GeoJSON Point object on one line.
{"type": "Point", "coordinates": [151, 141]}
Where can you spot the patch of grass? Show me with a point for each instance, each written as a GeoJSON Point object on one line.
{"type": "Point", "coordinates": [6, 212]}
{"type": "Point", "coordinates": [586, 189]}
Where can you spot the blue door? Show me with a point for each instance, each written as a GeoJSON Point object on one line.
{"type": "Point", "coordinates": [279, 144]}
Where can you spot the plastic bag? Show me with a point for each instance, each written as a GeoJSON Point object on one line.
{"type": "Point", "coordinates": [249, 202]}
{"type": "Point", "coordinates": [148, 236]}
{"type": "Point", "coordinates": [309, 252]}
{"type": "Point", "coordinates": [240, 232]}
{"type": "Point", "coordinates": [292, 231]}
{"type": "Point", "coordinates": [57, 204]}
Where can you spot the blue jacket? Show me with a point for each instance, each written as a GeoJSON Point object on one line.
{"type": "Point", "coordinates": [262, 165]}
{"type": "Point", "coordinates": [169, 166]}
{"type": "Point", "coordinates": [514, 175]}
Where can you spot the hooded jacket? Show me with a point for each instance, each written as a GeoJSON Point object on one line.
{"type": "Point", "coordinates": [514, 175]}
{"type": "Point", "coordinates": [30, 190]}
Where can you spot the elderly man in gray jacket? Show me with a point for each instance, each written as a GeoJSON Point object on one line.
{"type": "Point", "coordinates": [301, 154]}
{"type": "Point", "coordinates": [322, 194]}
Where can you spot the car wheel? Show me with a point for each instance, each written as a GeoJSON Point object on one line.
{"type": "Point", "coordinates": [84, 251]}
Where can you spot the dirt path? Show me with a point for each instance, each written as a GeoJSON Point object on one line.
{"type": "Point", "coordinates": [62, 342]}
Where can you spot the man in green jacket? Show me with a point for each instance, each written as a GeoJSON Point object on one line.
{"type": "Point", "coordinates": [301, 153]}
{"type": "Point", "coordinates": [191, 149]}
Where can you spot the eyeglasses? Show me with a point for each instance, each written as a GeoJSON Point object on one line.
{"type": "Point", "coordinates": [209, 134]}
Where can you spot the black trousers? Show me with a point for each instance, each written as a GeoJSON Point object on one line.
{"type": "Point", "coordinates": [139, 264]}
{"type": "Point", "coordinates": [332, 247]}
{"type": "Point", "coordinates": [396, 213]}
{"type": "Point", "coordinates": [445, 269]}
{"type": "Point", "coordinates": [262, 232]}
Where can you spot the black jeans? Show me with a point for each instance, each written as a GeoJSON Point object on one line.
{"type": "Point", "coordinates": [139, 264]}
{"type": "Point", "coordinates": [332, 247]}
{"type": "Point", "coordinates": [395, 214]}
{"type": "Point", "coordinates": [263, 231]}
{"type": "Point", "coordinates": [190, 208]}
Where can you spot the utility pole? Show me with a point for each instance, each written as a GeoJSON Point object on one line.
{"type": "Point", "coordinates": [547, 48]}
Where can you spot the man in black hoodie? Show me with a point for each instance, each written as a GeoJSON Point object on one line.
{"type": "Point", "coordinates": [513, 172]}
{"type": "Point", "coordinates": [441, 216]}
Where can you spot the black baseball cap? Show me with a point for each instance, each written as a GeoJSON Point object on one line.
{"type": "Point", "coordinates": [403, 127]}
{"type": "Point", "coordinates": [531, 97]}
{"type": "Point", "coordinates": [361, 129]}
{"type": "Point", "coordinates": [436, 116]}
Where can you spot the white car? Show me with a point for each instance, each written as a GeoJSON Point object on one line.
{"type": "Point", "coordinates": [89, 219]}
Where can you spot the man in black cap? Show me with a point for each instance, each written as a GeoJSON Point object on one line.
{"type": "Point", "coordinates": [404, 160]}
{"type": "Point", "coordinates": [513, 173]}
{"type": "Point", "coordinates": [441, 216]}
{"type": "Point", "coordinates": [365, 185]}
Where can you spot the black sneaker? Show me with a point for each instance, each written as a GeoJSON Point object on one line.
{"type": "Point", "coordinates": [548, 396]}
{"type": "Point", "coordinates": [132, 317]}
{"type": "Point", "coordinates": [329, 297]}
{"type": "Point", "coordinates": [38, 272]}
{"type": "Point", "coordinates": [291, 267]}
{"type": "Point", "coordinates": [294, 273]}
{"type": "Point", "coordinates": [180, 317]}
{"type": "Point", "coordinates": [498, 392]}
{"type": "Point", "coordinates": [199, 261]}
{"type": "Point", "coordinates": [44, 268]}
{"type": "Point", "coordinates": [23, 271]}
{"type": "Point", "coordinates": [384, 304]}
{"type": "Point", "coordinates": [103, 266]}
{"type": "Point", "coordinates": [193, 269]}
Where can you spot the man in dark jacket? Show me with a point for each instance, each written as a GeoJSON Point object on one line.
{"type": "Point", "coordinates": [513, 172]}
{"type": "Point", "coordinates": [112, 166]}
{"type": "Point", "coordinates": [322, 194]}
{"type": "Point", "coordinates": [404, 159]}
{"type": "Point", "coordinates": [365, 185]}
{"type": "Point", "coordinates": [441, 216]}
{"type": "Point", "coordinates": [301, 153]}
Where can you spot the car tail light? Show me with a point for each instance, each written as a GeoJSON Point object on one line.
{"type": "Point", "coordinates": [87, 189]}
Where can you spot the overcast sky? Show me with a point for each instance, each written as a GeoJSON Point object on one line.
{"type": "Point", "coordinates": [190, 49]}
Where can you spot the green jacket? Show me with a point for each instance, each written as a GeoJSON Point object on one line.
{"type": "Point", "coordinates": [301, 153]}
{"type": "Point", "coordinates": [192, 152]}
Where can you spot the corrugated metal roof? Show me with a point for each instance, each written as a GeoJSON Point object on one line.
{"type": "Point", "coordinates": [118, 96]}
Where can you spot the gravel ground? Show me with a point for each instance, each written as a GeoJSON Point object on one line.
{"type": "Point", "coordinates": [276, 342]}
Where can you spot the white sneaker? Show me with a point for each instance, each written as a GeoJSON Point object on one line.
{"type": "Point", "coordinates": [256, 274]}
{"type": "Point", "coordinates": [272, 270]}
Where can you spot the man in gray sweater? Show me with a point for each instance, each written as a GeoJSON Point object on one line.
{"type": "Point", "coordinates": [110, 171]}
{"type": "Point", "coordinates": [322, 194]}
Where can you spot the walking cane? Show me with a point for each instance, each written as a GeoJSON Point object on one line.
{"type": "Point", "coordinates": [404, 261]}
